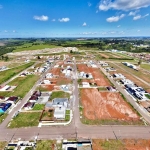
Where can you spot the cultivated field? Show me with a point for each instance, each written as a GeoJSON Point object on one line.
{"type": "Point", "coordinates": [106, 106]}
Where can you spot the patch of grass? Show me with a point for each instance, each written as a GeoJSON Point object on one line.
{"type": "Point", "coordinates": [2, 145]}
{"type": "Point", "coordinates": [23, 85]}
{"type": "Point", "coordinates": [67, 116]}
{"type": "Point", "coordinates": [38, 107]}
{"type": "Point", "coordinates": [2, 117]}
{"type": "Point", "coordinates": [25, 119]}
{"type": "Point", "coordinates": [145, 66]}
{"type": "Point", "coordinates": [102, 89]}
{"type": "Point", "coordinates": [59, 94]}
{"type": "Point", "coordinates": [6, 75]}
{"type": "Point", "coordinates": [148, 96]}
{"type": "Point", "coordinates": [48, 145]}
{"type": "Point", "coordinates": [112, 145]}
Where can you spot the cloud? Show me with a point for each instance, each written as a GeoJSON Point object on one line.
{"type": "Point", "coordinates": [115, 18]}
{"type": "Point", "coordinates": [146, 15]}
{"type": "Point", "coordinates": [53, 20]}
{"type": "Point", "coordinates": [139, 17]}
{"type": "Point", "coordinates": [14, 31]}
{"type": "Point", "coordinates": [133, 13]}
{"type": "Point", "coordinates": [5, 31]}
{"type": "Point", "coordinates": [41, 18]}
{"type": "Point", "coordinates": [1, 6]}
{"type": "Point", "coordinates": [124, 5]}
{"type": "Point", "coordinates": [118, 26]}
{"type": "Point", "coordinates": [89, 4]}
{"type": "Point", "coordinates": [138, 30]}
{"type": "Point", "coordinates": [84, 24]}
{"type": "Point", "coordinates": [64, 20]}
{"type": "Point", "coordinates": [96, 11]}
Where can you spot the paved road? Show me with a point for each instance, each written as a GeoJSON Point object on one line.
{"type": "Point", "coordinates": [76, 129]}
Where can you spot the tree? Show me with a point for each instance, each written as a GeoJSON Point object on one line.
{"type": "Point", "coordinates": [139, 62]}
{"type": "Point", "coordinates": [38, 57]}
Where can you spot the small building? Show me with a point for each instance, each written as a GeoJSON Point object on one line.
{"type": "Point", "coordinates": [28, 105]}
{"type": "Point", "coordinates": [12, 99]}
{"type": "Point", "coordinates": [60, 112]}
{"type": "Point", "coordinates": [4, 106]}
{"type": "Point", "coordinates": [85, 84]}
{"type": "Point", "coordinates": [33, 98]}
{"type": "Point", "coordinates": [118, 76]}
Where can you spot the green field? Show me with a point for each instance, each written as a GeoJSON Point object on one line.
{"type": "Point", "coordinates": [145, 66]}
{"type": "Point", "coordinates": [29, 46]}
{"type": "Point", "coordinates": [38, 107]}
{"type": "Point", "coordinates": [6, 75]}
{"type": "Point", "coordinates": [48, 145]}
{"type": "Point", "coordinates": [2, 117]}
{"type": "Point", "coordinates": [25, 119]}
{"type": "Point", "coordinates": [24, 84]}
{"type": "Point", "coordinates": [59, 94]}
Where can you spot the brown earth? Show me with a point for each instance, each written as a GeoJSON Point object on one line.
{"type": "Point", "coordinates": [103, 55]}
{"type": "Point", "coordinates": [98, 76]}
{"type": "Point", "coordinates": [55, 71]}
{"type": "Point", "coordinates": [125, 144]}
{"type": "Point", "coordinates": [49, 87]}
{"type": "Point", "coordinates": [105, 105]}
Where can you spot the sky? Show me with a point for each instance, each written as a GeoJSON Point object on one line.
{"type": "Point", "coordinates": [74, 18]}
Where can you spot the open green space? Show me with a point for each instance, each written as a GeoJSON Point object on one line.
{"type": "Point", "coordinates": [145, 66]}
{"type": "Point", "coordinates": [48, 145]}
{"type": "Point", "coordinates": [2, 145]}
{"type": "Point", "coordinates": [29, 46]}
{"type": "Point", "coordinates": [6, 75]}
{"type": "Point", "coordinates": [67, 116]}
{"type": "Point", "coordinates": [2, 117]}
{"type": "Point", "coordinates": [38, 107]}
{"type": "Point", "coordinates": [25, 119]}
{"type": "Point", "coordinates": [59, 94]}
{"type": "Point", "coordinates": [24, 84]}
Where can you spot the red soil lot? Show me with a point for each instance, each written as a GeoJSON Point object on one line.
{"type": "Point", "coordinates": [55, 71]}
{"type": "Point", "coordinates": [105, 105]}
{"type": "Point", "coordinates": [98, 76]}
{"type": "Point", "coordinates": [127, 144]}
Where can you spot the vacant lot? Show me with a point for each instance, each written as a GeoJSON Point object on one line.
{"type": "Point", "coordinates": [55, 71]}
{"type": "Point", "coordinates": [59, 94]}
{"type": "Point", "coordinates": [25, 120]}
{"type": "Point", "coordinates": [125, 144]}
{"type": "Point", "coordinates": [145, 66]}
{"type": "Point", "coordinates": [48, 145]}
{"type": "Point", "coordinates": [106, 106]}
{"type": "Point", "coordinates": [2, 145]}
{"type": "Point", "coordinates": [6, 75]}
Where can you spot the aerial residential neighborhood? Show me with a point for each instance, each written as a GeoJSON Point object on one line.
{"type": "Point", "coordinates": [75, 75]}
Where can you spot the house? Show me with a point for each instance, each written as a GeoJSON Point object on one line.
{"type": "Point", "coordinates": [33, 98]}
{"type": "Point", "coordinates": [12, 99]}
{"type": "Point", "coordinates": [5, 88]}
{"type": "Point", "coordinates": [28, 105]}
{"type": "Point", "coordinates": [118, 76]}
{"type": "Point", "coordinates": [64, 87]}
{"type": "Point", "coordinates": [49, 75]}
{"type": "Point", "coordinates": [85, 84]}
{"type": "Point", "coordinates": [126, 81]}
{"type": "Point", "coordinates": [60, 112]}
{"type": "Point", "coordinates": [2, 98]}
{"type": "Point", "coordinates": [4, 106]}
{"type": "Point", "coordinates": [46, 82]}
{"type": "Point", "coordinates": [37, 93]}
{"type": "Point", "coordinates": [43, 99]}
{"type": "Point", "coordinates": [111, 88]}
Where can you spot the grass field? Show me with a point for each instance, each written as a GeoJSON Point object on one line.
{"type": "Point", "coordinates": [2, 145]}
{"type": "Point", "coordinates": [6, 75]}
{"type": "Point", "coordinates": [59, 94]}
{"type": "Point", "coordinates": [25, 119]}
{"type": "Point", "coordinates": [145, 66]}
{"type": "Point", "coordinates": [38, 107]}
{"type": "Point", "coordinates": [24, 84]}
{"type": "Point", "coordinates": [29, 46]}
{"type": "Point", "coordinates": [67, 116]}
{"type": "Point", "coordinates": [2, 117]}
{"type": "Point", "coordinates": [48, 145]}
